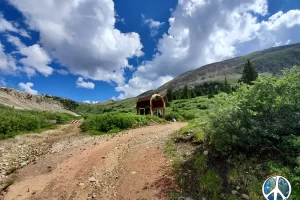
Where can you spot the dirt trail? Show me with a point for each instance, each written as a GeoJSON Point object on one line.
{"type": "Point", "coordinates": [129, 165]}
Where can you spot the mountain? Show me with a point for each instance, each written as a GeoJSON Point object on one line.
{"type": "Point", "coordinates": [271, 60]}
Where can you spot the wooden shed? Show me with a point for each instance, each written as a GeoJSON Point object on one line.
{"type": "Point", "coordinates": [151, 105]}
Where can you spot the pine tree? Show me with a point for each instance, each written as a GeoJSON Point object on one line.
{"type": "Point", "coordinates": [186, 93]}
{"type": "Point", "coordinates": [227, 87]}
{"type": "Point", "coordinates": [249, 73]}
{"type": "Point", "coordinates": [170, 94]}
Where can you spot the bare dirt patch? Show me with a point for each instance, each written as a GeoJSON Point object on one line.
{"type": "Point", "coordinates": [129, 165]}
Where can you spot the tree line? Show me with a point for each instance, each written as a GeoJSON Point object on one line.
{"type": "Point", "coordinates": [210, 89]}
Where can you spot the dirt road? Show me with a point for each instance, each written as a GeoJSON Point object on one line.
{"type": "Point", "coordinates": [130, 165]}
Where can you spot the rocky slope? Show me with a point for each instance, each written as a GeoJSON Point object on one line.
{"type": "Point", "coordinates": [271, 60]}
{"type": "Point", "coordinates": [21, 100]}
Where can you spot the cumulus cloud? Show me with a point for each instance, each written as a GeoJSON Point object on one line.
{"type": "Point", "coordinates": [27, 87]}
{"type": "Point", "coordinates": [203, 32]}
{"type": "Point", "coordinates": [82, 84]}
{"type": "Point", "coordinates": [7, 62]}
{"type": "Point", "coordinates": [153, 25]}
{"type": "Point", "coordinates": [82, 36]}
{"type": "Point", "coordinates": [87, 101]}
{"type": "Point", "coordinates": [35, 57]}
{"type": "Point", "coordinates": [8, 26]}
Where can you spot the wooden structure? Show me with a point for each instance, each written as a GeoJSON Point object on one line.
{"type": "Point", "coordinates": [151, 105]}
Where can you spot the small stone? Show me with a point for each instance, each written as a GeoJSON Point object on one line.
{"type": "Point", "coordinates": [234, 192]}
{"type": "Point", "coordinates": [238, 187]}
{"type": "Point", "coordinates": [94, 196]}
{"type": "Point", "coordinates": [92, 179]}
{"type": "Point", "coordinates": [103, 157]}
{"type": "Point", "coordinates": [81, 184]}
{"type": "Point", "coordinates": [245, 196]}
{"type": "Point", "coordinates": [23, 164]}
{"type": "Point", "coordinates": [205, 153]}
{"type": "Point", "coordinates": [133, 172]}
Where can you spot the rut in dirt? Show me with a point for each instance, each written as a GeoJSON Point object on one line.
{"type": "Point", "coordinates": [129, 165]}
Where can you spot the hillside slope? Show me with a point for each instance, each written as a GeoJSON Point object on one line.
{"type": "Point", "coordinates": [21, 100]}
{"type": "Point", "coordinates": [271, 60]}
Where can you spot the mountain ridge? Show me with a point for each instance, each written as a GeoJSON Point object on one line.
{"type": "Point", "coordinates": [271, 60]}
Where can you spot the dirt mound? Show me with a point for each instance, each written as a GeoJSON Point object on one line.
{"type": "Point", "coordinates": [21, 100]}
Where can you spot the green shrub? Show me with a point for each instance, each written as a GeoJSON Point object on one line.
{"type": "Point", "coordinates": [13, 121]}
{"type": "Point", "coordinates": [189, 115]}
{"type": "Point", "coordinates": [266, 114]}
{"type": "Point", "coordinates": [115, 122]}
{"type": "Point", "coordinates": [173, 115]}
{"type": "Point", "coordinates": [202, 106]}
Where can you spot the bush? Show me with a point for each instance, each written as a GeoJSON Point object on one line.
{"type": "Point", "coordinates": [173, 115]}
{"type": "Point", "coordinates": [256, 117]}
{"type": "Point", "coordinates": [13, 121]}
{"type": "Point", "coordinates": [115, 122]}
{"type": "Point", "coordinates": [189, 116]}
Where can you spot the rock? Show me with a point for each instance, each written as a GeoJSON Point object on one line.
{"type": "Point", "coordinates": [23, 164]}
{"type": "Point", "coordinates": [174, 120]}
{"type": "Point", "coordinates": [103, 157]}
{"type": "Point", "coordinates": [245, 196]}
{"type": "Point", "coordinates": [205, 153]}
{"type": "Point", "coordinates": [234, 192]}
{"type": "Point", "coordinates": [92, 179]}
{"type": "Point", "coordinates": [94, 196]}
{"type": "Point", "coordinates": [238, 187]}
{"type": "Point", "coordinates": [81, 184]}
{"type": "Point", "coordinates": [298, 161]}
{"type": "Point", "coordinates": [133, 172]}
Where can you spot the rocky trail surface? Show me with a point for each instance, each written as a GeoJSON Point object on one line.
{"type": "Point", "coordinates": [65, 164]}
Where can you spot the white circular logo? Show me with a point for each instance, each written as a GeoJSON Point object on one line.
{"type": "Point", "coordinates": [276, 188]}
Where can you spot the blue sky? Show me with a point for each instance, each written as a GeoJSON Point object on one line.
{"type": "Point", "coordinates": [101, 49]}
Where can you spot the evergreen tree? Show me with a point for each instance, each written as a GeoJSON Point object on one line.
{"type": "Point", "coordinates": [227, 87]}
{"type": "Point", "coordinates": [193, 93]}
{"type": "Point", "coordinates": [186, 93]}
{"type": "Point", "coordinates": [249, 73]}
{"type": "Point", "coordinates": [170, 94]}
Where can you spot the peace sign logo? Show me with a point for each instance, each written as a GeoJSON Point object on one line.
{"type": "Point", "coordinates": [277, 188]}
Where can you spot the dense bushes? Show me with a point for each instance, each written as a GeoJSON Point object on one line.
{"type": "Point", "coordinates": [13, 122]}
{"type": "Point", "coordinates": [115, 122]}
{"type": "Point", "coordinates": [173, 115]}
{"type": "Point", "coordinates": [265, 115]}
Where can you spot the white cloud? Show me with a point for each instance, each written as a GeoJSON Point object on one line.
{"type": "Point", "coordinates": [89, 102]}
{"type": "Point", "coordinates": [36, 58]}
{"type": "Point", "coordinates": [27, 87]}
{"type": "Point", "coordinates": [62, 72]}
{"type": "Point", "coordinates": [114, 98]}
{"type": "Point", "coordinates": [203, 32]}
{"type": "Point", "coordinates": [8, 26]}
{"type": "Point", "coordinates": [82, 36]}
{"type": "Point", "coordinates": [82, 84]}
{"type": "Point", "coordinates": [7, 63]}
{"type": "Point", "coordinates": [2, 82]}
{"type": "Point", "coordinates": [153, 25]}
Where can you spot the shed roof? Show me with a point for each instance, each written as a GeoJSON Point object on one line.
{"type": "Point", "coordinates": [145, 98]}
